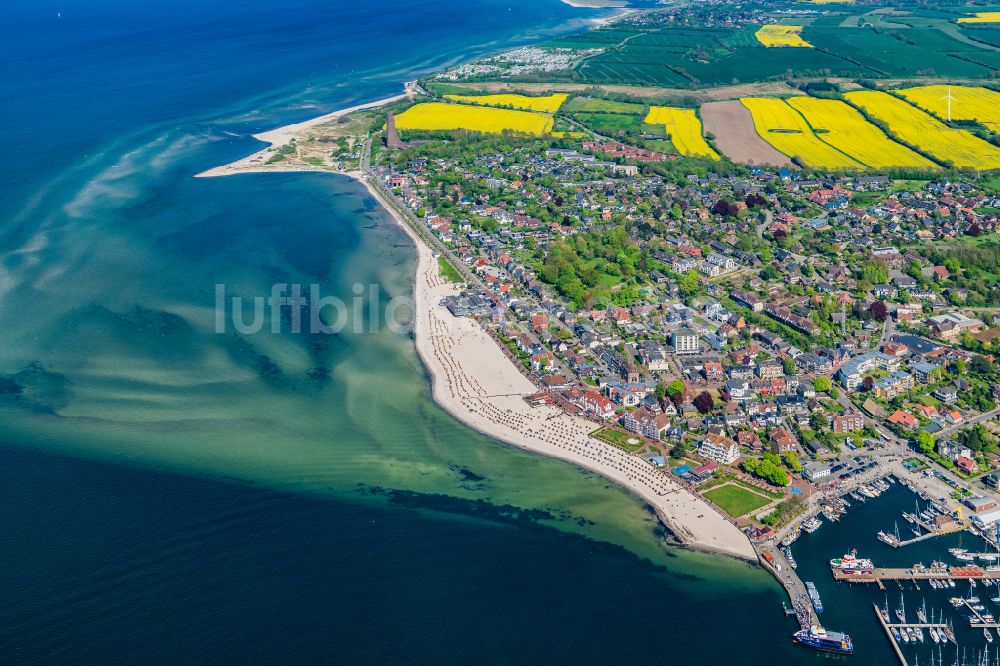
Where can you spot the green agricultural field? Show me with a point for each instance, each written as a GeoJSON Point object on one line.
{"type": "Point", "coordinates": [909, 43]}
{"type": "Point", "coordinates": [736, 501]}
{"type": "Point", "coordinates": [614, 70]}
{"type": "Point", "coordinates": [590, 105]}
{"type": "Point", "coordinates": [988, 36]}
{"type": "Point", "coordinates": [612, 123]}
{"type": "Point", "coordinates": [909, 52]}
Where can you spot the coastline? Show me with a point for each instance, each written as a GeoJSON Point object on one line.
{"type": "Point", "coordinates": [282, 136]}
{"type": "Point", "coordinates": [475, 382]}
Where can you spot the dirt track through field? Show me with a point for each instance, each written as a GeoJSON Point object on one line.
{"type": "Point", "coordinates": [735, 135]}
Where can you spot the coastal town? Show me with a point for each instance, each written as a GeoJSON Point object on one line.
{"type": "Point", "coordinates": [768, 342]}
{"type": "Point", "coordinates": [762, 325]}
{"type": "Point", "coordinates": [743, 346]}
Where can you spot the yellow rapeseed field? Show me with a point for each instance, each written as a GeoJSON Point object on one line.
{"type": "Point", "coordinates": [782, 127]}
{"type": "Point", "coordinates": [547, 104]}
{"type": "Point", "coordinates": [967, 103]}
{"type": "Point", "coordinates": [918, 128]}
{"type": "Point", "coordinates": [442, 116]}
{"type": "Point", "coordinates": [982, 17]}
{"type": "Point", "coordinates": [848, 131]}
{"type": "Point", "coordinates": [684, 129]}
{"type": "Point", "coordinates": [781, 35]}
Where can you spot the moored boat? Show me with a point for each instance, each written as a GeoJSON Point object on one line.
{"type": "Point", "coordinates": [819, 638]}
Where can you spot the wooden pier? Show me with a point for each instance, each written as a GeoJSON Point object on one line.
{"type": "Point", "coordinates": [888, 635]}
{"type": "Point", "coordinates": [980, 623]}
{"type": "Point", "coordinates": [930, 533]}
{"type": "Point", "coordinates": [880, 574]}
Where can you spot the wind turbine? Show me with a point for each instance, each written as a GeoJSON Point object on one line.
{"type": "Point", "coordinates": [949, 97]}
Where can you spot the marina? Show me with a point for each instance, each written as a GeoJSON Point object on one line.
{"type": "Point", "coordinates": [933, 599]}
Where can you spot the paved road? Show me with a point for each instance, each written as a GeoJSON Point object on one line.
{"type": "Point", "coordinates": [982, 418]}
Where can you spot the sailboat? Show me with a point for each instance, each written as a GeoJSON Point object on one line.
{"type": "Point", "coordinates": [901, 611]}
{"type": "Point", "coordinates": [922, 612]}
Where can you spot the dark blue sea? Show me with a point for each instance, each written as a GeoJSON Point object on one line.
{"type": "Point", "coordinates": [170, 494]}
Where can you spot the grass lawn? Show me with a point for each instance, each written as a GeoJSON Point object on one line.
{"type": "Point", "coordinates": [623, 440]}
{"type": "Point", "coordinates": [448, 271]}
{"type": "Point", "coordinates": [736, 501]}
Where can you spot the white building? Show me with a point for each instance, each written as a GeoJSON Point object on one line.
{"type": "Point", "coordinates": [812, 471]}
{"type": "Point", "coordinates": [721, 449]}
{"type": "Point", "coordinates": [685, 341]}
{"type": "Point", "coordinates": [986, 519]}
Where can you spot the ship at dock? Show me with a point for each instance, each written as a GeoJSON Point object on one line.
{"type": "Point", "coordinates": [852, 564]}
{"type": "Point", "coordinates": [814, 596]}
{"type": "Point", "coordinates": [819, 638]}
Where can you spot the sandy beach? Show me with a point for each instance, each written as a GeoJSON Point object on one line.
{"type": "Point", "coordinates": [475, 382]}
{"type": "Point", "coordinates": [281, 136]}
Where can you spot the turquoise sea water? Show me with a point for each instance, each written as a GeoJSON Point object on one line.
{"type": "Point", "coordinates": [172, 494]}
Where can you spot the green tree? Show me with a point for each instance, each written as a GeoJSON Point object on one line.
{"type": "Point", "coordinates": [689, 283]}
{"type": "Point", "coordinates": [675, 387]}
{"type": "Point", "coordinates": [822, 384]}
{"type": "Point", "coordinates": [791, 460]}
{"type": "Point", "coordinates": [925, 441]}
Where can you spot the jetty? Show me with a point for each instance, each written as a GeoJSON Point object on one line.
{"type": "Point", "coordinates": [980, 622]}
{"type": "Point", "coordinates": [888, 634]}
{"type": "Point", "coordinates": [880, 574]}
{"type": "Point", "coordinates": [930, 533]}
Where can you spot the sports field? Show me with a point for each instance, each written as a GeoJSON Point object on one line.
{"type": "Point", "coordinates": [782, 35]}
{"type": "Point", "coordinates": [442, 116]}
{"type": "Point", "coordinates": [967, 103]}
{"type": "Point", "coordinates": [839, 125]}
{"type": "Point", "coordinates": [785, 129]}
{"type": "Point", "coordinates": [684, 129]}
{"type": "Point", "coordinates": [916, 127]}
{"type": "Point", "coordinates": [547, 104]}
{"type": "Point", "coordinates": [736, 501]}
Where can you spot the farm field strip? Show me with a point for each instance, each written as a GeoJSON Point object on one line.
{"type": "Point", "coordinates": [782, 36]}
{"type": "Point", "coordinates": [684, 129]}
{"type": "Point", "coordinates": [736, 136]}
{"type": "Point", "coordinates": [547, 104]}
{"type": "Point", "coordinates": [841, 126]}
{"type": "Point", "coordinates": [981, 17]}
{"type": "Point", "coordinates": [968, 103]}
{"type": "Point", "coordinates": [443, 116]}
{"type": "Point", "coordinates": [921, 129]}
{"type": "Point", "coordinates": [785, 129]}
